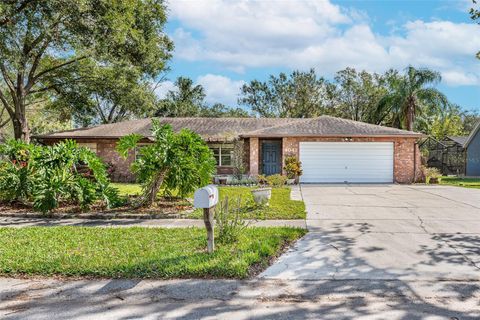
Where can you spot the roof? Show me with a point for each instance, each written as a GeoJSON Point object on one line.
{"type": "Point", "coordinates": [331, 126]}
{"type": "Point", "coordinates": [458, 139]}
{"type": "Point", "coordinates": [211, 129]}
{"type": "Point", "coordinates": [472, 135]}
{"type": "Point", "coordinates": [227, 129]}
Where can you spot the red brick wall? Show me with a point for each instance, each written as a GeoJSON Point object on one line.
{"type": "Point", "coordinates": [404, 163]}
{"type": "Point", "coordinates": [106, 149]}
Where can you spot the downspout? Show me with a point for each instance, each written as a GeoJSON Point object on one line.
{"type": "Point", "coordinates": [415, 162]}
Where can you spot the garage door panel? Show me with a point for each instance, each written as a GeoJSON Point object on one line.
{"type": "Point", "coordinates": [334, 162]}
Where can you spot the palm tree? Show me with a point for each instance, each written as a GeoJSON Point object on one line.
{"type": "Point", "coordinates": [410, 95]}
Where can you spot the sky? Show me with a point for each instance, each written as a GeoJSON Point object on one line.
{"type": "Point", "coordinates": [222, 44]}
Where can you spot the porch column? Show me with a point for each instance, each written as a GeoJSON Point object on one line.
{"type": "Point", "coordinates": [254, 156]}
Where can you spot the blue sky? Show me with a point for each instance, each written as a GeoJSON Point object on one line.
{"type": "Point", "coordinates": [223, 43]}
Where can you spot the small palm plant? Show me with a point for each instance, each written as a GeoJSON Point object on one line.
{"type": "Point", "coordinates": [175, 162]}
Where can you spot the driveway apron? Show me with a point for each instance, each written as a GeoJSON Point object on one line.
{"type": "Point", "coordinates": [386, 232]}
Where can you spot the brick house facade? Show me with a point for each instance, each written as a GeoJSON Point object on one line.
{"type": "Point", "coordinates": [287, 134]}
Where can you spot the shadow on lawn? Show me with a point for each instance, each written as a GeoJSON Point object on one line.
{"type": "Point", "coordinates": [266, 299]}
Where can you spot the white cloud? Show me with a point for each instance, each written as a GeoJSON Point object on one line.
{"type": "Point", "coordinates": [301, 34]}
{"type": "Point", "coordinates": [217, 88]}
{"type": "Point", "coordinates": [163, 87]}
{"type": "Point", "coordinates": [459, 78]}
{"type": "Point", "coordinates": [220, 89]}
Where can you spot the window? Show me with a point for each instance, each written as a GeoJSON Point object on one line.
{"type": "Point", "coordinates": [222, 153]}
{"type": "Point", "coordinates": [137, 150]}
{"type": "Point", "coordinates": [90, 145]}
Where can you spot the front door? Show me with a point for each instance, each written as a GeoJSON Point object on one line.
{"type": "Point", "coordinates": [271, 157]}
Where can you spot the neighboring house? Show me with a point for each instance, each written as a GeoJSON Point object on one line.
{"type": "Point", "coordinates": [332, 150]}
{"type": "Point", "coordinates": [472, 145]}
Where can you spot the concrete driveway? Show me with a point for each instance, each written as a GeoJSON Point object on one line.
{"type": "Point", "coordinates": [386, 232]}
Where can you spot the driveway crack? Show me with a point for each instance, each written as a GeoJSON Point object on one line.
{"type": "Point", "coordinates": [464, 256]}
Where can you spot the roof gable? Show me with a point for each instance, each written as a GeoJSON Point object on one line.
{"type": "Point", "coordinates": [472, 135]}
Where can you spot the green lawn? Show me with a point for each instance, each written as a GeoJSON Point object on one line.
{"type": "Point", "coordinates": [281, 207]}
{"type": "Point", "coordinates": [136, 252]}
{"type": "Point", "coordinates": [461, 182]}
{"type": "Point", "coordinates": [128, 189]}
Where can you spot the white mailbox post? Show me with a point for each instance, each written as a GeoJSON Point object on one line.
{"type": "Point", "coordinates": [207, 198]}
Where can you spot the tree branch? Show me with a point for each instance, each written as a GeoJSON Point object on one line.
{"type": "Point", "coordinates": [42, 73]}
{"type": "Point", "coordinates": [21, 7]}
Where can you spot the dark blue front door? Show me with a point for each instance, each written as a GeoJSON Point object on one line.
{"type": "Point", "coordinates": [271, 157]}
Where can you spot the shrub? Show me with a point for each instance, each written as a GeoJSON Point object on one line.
{"type": "Point", "coordinates": [292, 167]}
{"type": "Point", "coordinates": [230, 220]}
{"type": "Point", "coordinates": [431, 173]}
{"type": "Point", "coordinates": [276, 180]}
{"type": "Point", "coordinates": [49, 175]}
{"type": "Point", "coordinates": [262, 179]}
{"type": "Point", "coordinates": [175, 162]}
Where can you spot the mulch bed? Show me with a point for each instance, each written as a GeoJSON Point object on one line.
{"type": "Point", "coordinates": [165, 208]}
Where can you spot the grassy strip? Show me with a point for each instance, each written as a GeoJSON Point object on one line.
{"type": "Point", "coordinates": [461, 182]}
{"type": "Point", "coordinates": [281, 206]}
{"type": "Point", "coordinates": [136, 252]}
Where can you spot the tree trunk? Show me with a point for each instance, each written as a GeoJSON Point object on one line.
{"type": "Point", "coordinates": [148, 199]}
{"type": "Point", "coordinates": [20, 125]}
{"type": "Point", "coordinates": [410, 113]}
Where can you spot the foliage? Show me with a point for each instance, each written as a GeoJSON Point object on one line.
{"type": "Point", "coordinates": [357, 93]}
{"type": "Point", "coordinates": [431, 173]}
{"type": "Point", "coordinates": [281, 206]}
{"type": "Point", "coordinates": [262, 179]}
{"type": "Point", "coordinates": [410, 96]}
{"type": "Point", "coordinates": [298, 95]}
{"type": "Point", "coordinates": [137, 252]}
{"type": "Point", "coordinates": [276, 180]}
{"type": "Point", "coordinates": [50, 175]}
{"type": "Point", "coordinates": [179, 162]}
{"type": "Point", "coordinates": [230, 221]}
{"type": "Point", "coordinates": [188, 100]}
{"type": "Point", "coordinates": [293, 167]}
{"type": "Point", "coordinates": [43, 42]}
{"type": "Point", "coordinates": [106, 94]}
{"type": "Point", "coordinates": [475, 16]}
{"type": "Point", "coordinates": [238, 159]}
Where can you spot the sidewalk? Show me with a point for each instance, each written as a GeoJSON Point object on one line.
{"type": "Point", "coordinates": [152, 223]}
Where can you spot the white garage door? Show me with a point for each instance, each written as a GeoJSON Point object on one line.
{"type": "Point", "coordinates": [334, 162]}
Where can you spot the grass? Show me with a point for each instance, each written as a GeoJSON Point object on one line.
{"type": "Point", "coordinates": [281, 206]}
{"type": "Point", "coordinates": [461, 182]}
{"type": "Point", "coordinates": [136, 252]}
{"type": "Point", "coordinates": [128, 189]}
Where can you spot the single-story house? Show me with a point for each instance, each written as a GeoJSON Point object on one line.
{"type": "Point", "coordinates": [472, 146]}
{"type": "Point", "coordinates": [332, 150]}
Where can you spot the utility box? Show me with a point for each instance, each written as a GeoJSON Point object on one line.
{"type": "Point", "coordinates": [206, 197]}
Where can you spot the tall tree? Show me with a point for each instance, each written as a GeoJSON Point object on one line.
{"type": "Point", "coordinates": [40, 41]}
{"type": "Point", "coordinates": [105, 94]}
{"type": "Point", "coordinates": [298, 95]}
{"type": "Point", "coordinates": [186, 100]}
{"type": "Point", "coordinates": [410, 95]}
{"type": "Point", "coordinates": [357, 93]}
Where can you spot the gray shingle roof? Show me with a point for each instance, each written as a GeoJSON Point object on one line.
{"type": "Point", "coordinates": [459, 139]}
{"type": "Point", "coordinates": [330, 126]}
{"type": "Point", "coordinates": [209, 128]}
{"type": "Point", "coordinates": [221, 129]}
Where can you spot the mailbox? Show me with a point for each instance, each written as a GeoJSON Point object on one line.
{"type": "Point", "coordinates": [206, 197]}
